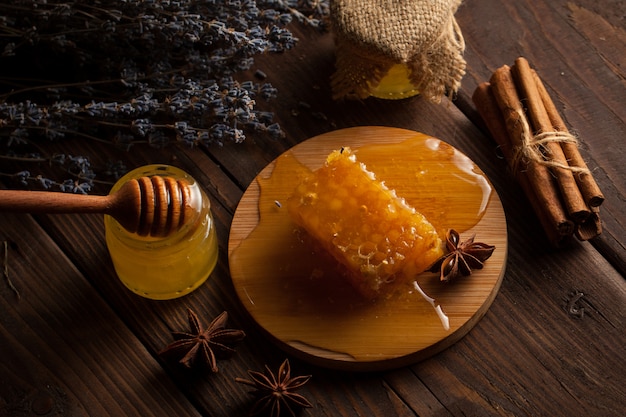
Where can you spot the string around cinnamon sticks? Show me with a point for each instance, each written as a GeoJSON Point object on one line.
{"type": "Point", "coordinates": [541, 153]}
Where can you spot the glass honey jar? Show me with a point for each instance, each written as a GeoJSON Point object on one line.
{"type": "Point", "coordinates": [170, 266]}
{"type": "Point", "coordinates": [395, 84]}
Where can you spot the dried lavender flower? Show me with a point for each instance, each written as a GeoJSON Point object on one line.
{"type": "Point", "coordinates": [138, 72]}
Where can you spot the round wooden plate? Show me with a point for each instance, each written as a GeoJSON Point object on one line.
{"type": "Point", "coordinates": [293, 293]}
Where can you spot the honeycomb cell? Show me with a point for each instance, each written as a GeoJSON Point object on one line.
{"type": "Point", "coordinates": [374, 233]}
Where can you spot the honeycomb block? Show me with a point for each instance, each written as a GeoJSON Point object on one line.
{"type": "Point", "coordinates": [375, 234]}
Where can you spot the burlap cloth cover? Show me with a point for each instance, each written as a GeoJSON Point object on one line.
{"type": "Point", "coordinates": [373, 35]}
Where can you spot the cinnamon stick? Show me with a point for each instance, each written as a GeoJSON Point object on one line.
{"type": "Point", "coordinates": [488, 108]}
{"type": "Point", "coordinates": [539, 176]}
{"type": "Point", "coordinates": [588, 187]}
{"type": "Point", "coordinates": [591, 227]}
{"type": "Point", "coordinates": [538, 116]}
{"type": "Point", "coordinates": [541, 153]}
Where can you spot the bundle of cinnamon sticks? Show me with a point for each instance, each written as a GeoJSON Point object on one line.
{"type": "Point", "coordinates": [541, 152]}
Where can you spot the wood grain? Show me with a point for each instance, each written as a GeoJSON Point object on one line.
{"type": "Point", "coordinates": [64, 351]}
{"type": "Point", "coordinates": [330, 335]}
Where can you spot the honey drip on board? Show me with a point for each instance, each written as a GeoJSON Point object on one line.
{"type": "Point", "coordinates": [295, 291]}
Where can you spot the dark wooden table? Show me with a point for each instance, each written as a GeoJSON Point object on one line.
{"type": "Point", "coordinates": [77, 343]}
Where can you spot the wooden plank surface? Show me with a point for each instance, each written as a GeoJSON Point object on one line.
{"type": "Point", "coordinates": [550, 343]}
{"type": "Point", "coordinates": [64, 350]}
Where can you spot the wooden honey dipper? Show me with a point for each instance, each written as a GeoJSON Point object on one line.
{"type": "Point", "coordinates": [156, 206]}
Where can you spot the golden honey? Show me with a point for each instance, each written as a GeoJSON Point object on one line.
{"type": "Point", "coordinates": [395, 84]}
{"type": "Point", "coordinates": [171, 266]}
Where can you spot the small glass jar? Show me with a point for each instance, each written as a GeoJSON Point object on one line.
{"type": "Point", "coordinates": [167, 267]}
{"type": "Point", "coordinates": [395, 84]}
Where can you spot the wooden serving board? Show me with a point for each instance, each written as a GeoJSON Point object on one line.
{"type": "Point", "coordinates": [296, 294]}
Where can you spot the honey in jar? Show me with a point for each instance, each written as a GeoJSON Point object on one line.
{"type": "Point", "coordinates": [171, 266]}
{"type": "Point", "coordinates": [395, 84]}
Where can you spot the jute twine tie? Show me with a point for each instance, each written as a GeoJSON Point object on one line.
{"type": "Point", "coordinates": [530, 150]}
{"type": "Point", "coordinates": [373, 35]}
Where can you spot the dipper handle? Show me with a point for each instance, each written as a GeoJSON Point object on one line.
{"type": "Point", "coordinates": [155, 206]}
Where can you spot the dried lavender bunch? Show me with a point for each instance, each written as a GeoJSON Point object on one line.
{"type": "Point", "coordinates": [134, 71]}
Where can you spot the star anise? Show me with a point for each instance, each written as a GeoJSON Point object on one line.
{"type": "Point", "coordinates": [462, 257]}
{"type": "Point", "coordinates": [275, 394]}
{"type": "Point", "coordinates": [202, 346]}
